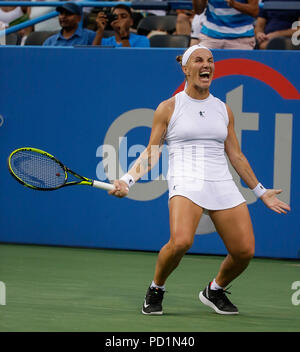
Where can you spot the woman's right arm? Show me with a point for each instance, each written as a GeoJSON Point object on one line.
{"type": "Point", "coordinates": [150, 156]}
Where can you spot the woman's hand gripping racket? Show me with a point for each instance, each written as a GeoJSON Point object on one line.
{"type": "Point", "coordinates": [40, 170]}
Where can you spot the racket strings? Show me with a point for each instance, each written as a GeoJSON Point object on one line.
{"type": "Point", "coordinates": [37, 169]}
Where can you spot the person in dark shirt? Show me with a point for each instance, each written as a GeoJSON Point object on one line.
{"type": "Point", "coordinates": [271, 24]}
{"type": "Point", "coordinates": [72, 33]}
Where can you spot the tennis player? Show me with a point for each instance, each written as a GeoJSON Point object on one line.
{"type": "Point", "coordinates": [198, 128]}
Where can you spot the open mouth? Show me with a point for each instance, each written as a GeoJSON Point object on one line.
{"type": "Point", "coordinates": [205, 75]}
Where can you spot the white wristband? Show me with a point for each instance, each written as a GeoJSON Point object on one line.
{"type": "Point", "coordinates": [259, 190]}
{"type": "Point", "coordinates": [128, 179]}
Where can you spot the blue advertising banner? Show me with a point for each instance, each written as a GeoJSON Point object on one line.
{"type": "Point", "coordinates": [92, 108]}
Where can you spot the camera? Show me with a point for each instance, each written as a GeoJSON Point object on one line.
{"type": "Point", "coordinates": [110, 16]}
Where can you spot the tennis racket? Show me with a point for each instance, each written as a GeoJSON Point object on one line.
{"type": "Point", "coordinates": [40, 170]}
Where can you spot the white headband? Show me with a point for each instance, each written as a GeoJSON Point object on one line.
{"type": "Point", "coordinates": [189, 52]}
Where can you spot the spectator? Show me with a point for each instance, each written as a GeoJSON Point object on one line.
{"type": "Point", "coordinates": [155, 12]}
{"type": "Point", "coordinates": [271, 24]}
{"type": "Point", "coordinates": [12, 15]}
{"type": "Point", "coordinates": [184, 22]}
{"type": "Point", "coordinates": [121, 24]}
{"type": "Point", "coordinates": [71, 33]}
{"type": "Point", "coordinates": [49, 25]}
{"type": "Point", "coordinates": [2, 26]}
{"type": "Point", "coordinates": [227, 24]}
{"type": "Point", "coordinates": [196, 29]}
{"type": "Point", "coordinates": [23, 35]}
{"type": "Point", "coordinates": [189, 24]}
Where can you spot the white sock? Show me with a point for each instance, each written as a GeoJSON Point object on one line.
{"type": "Point", "coordinates": [153, 284]}
{"type": "Point", "coordinates": [214, 286]}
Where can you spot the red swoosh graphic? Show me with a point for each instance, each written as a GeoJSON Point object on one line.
{"type": "Point", "coordinates": [257, 70]}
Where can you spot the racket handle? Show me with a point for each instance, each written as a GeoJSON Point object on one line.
{"type": "Point", "coordinates": [103, 185]}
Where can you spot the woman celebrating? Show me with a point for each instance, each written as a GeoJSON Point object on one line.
{"type": "Point", "coordinates": [198, 128]}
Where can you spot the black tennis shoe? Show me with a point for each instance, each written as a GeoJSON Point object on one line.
{"type": "Point", "coordinates": [217, 300]}
{"type": "Point", "coordinates": [152, 303]}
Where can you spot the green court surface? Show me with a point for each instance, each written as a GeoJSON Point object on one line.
{"type": "Point", "coordinates": [75, 289]}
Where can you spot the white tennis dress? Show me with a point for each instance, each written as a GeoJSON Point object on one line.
{"type": "Point", "coordinates": [198, 167]}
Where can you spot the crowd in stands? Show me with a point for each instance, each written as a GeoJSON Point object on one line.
{"type": "Point", "coordinates": [217, 24]}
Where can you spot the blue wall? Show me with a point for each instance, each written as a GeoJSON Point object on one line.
{"type": "Point", "coordinates": [68, 101]}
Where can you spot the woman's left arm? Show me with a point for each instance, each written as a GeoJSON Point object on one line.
{"type": "Point", "coordinates": [244, 170]}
